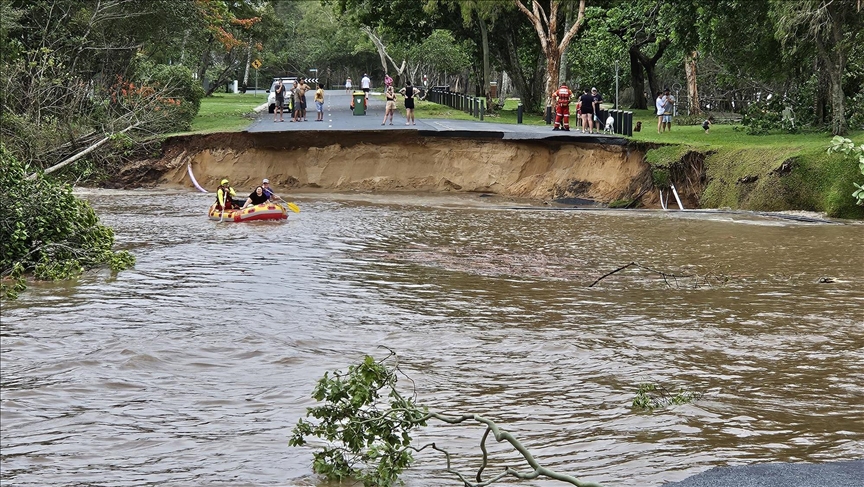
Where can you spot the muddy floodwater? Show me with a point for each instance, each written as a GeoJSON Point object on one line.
{"type": "Point", "coordinates": [192, 368]}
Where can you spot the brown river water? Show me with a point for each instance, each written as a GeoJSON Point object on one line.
{"type": "Point", "coordinates": [193, 367]}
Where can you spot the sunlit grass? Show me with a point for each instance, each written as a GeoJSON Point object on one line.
{"type": "Point", "coordinates": [226, 112]}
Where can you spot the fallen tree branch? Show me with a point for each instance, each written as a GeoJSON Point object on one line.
{"type": "Point", "coordinates": [81, 154]}
{"type": "Point", "coordinates": [634, 264]}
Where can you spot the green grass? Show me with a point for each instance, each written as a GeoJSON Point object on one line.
{"type": "Point", "coordinates": [226, 112]}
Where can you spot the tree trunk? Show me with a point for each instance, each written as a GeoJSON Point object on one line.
{"type": "Point", "coordinates": [692, 89]}
{"type": "Point", "coordinates": [546, 26]}
{"type": "Point", "coordinates": [248, 63]}
{"type": "Point", "coordinates": [637, 81]}
{"type": "Point", "coordinates": [518, 74]}
{"type": "Point", "coordinates": [835, 61]}
{"type": "Point", "coordinates": [650, 64]}
{"type": "Point", "coordinates": [820, 100]}
{"type": "Point", "coordinates": [484, 36]}
{"type": "Point", "coordinates": [553, 65]}
{"type": "Point", "coordinates": [205, 63]}
{"type": "Point", "coordinates": [562, 74]}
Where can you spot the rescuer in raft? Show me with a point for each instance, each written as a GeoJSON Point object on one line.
{"type": "Point", "coordinates": [223, 196]}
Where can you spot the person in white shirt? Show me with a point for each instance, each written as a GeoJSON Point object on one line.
{"type": "Point", "coordinates": [660, 104]}
{"type": "Point", "coordinates": [365, 84]}
{"type": "Point", "coordinates": [348, 86]}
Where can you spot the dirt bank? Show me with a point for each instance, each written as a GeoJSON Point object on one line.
{"type": "Point", "coordinates": [400, 161]}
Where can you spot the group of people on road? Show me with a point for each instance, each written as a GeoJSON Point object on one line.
{"type": "Point", "coordinates": [225, 195]}
{"type": "Point", "coordinates": [409, 92]}
{"type": "Point", "coordinates": [298, 97]}
{"type": "Point", "coordinates": [587, 109]}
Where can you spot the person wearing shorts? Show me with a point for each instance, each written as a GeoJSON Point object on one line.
{"type": "Point", "coordinates": [409, 92]}
{"type": "Point", "coordinates": [348, 85]}
{"type": "Point", "coordinates": [390, 108]}
{"type": "Point", "coordinates": [670, 110]}
{"type": "Point", "coordinates": [319, 102]}
{"type": "Point", "coordinates": [366, 84]}
{"type": "Point", "coordinates": [303, 87]}
{"type": "Point", "coordinates": [587, 109]}
{"type": "Point", "coordinates": [660, 105]}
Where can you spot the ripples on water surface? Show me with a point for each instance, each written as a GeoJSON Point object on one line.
{"type": "Point", "coordinates": [192, 368]}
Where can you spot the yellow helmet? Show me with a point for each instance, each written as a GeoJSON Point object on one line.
{"type": "Point", "coordinates": [224, 181]}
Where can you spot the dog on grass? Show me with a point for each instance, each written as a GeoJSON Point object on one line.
{"type": "Point", "coordinates": [609, 128]}
{"type": "Point", "coordinates": [638, 127]}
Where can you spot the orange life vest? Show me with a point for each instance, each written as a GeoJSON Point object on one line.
{"type": "Point", "coordinates": [564, 95]}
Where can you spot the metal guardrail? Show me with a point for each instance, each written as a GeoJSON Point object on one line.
{"type": "Point", "coordinates": [474, 106]}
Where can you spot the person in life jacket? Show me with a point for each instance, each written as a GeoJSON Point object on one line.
{"type": "Point", "coordinates": [562, 107]}
{"type": "Point", "coordinates": [223, 196]}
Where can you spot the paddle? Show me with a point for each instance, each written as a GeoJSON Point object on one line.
{"type": "Point", "coordinates": [289, 206]}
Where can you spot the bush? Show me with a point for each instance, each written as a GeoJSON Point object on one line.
{"type": "Point", "coordinates": [178, 95]}
{"type": "Point", "coordinates": [764, 117]}
{"type": "Point", "coordinates": [46, 232]}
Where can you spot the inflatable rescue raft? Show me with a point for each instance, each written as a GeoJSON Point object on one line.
{"type": "Point", "coordinates": [264, 211]}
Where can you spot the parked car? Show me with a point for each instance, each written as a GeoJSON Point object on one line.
{"type": "Point", "coordinates": [271, 97]}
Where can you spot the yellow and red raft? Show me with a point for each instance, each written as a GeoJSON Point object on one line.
{"type": "Point", "coordinates": [264, 211]}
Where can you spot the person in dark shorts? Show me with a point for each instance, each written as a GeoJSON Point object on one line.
{"type": "Point", "coordinates": [280, 101]}
{"type": "Point", "coordinates": [587, 106]}
{"type": "Point", "coordinates": [706, 125]}
{"type": "Point", "coordinates": [303, 87]}
{"type": "Point", "coordinates": [598, 98]}
{"type": "Point", "coordinates": [409, 92]}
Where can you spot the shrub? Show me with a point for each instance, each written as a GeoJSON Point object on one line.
{"type": "Point", "coordinates": [46, 232]}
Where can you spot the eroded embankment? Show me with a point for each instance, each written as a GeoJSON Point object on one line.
{"type": "Point", "coordinates": [401, 161]}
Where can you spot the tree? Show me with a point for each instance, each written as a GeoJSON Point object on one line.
{"type": "Point", "coordinates": [833, 26]}
{"type": "Point", "coordinates": [227, 27]}
{"type": "Point", "coordinates": [546, 26]}
{"type": "Point", "coordinates": [368, 438]}
{"type": "Point", "coordinates": [638, 25]}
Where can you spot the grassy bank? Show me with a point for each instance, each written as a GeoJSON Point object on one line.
{"type": "Point", "coordinates": [226, 112]}
{"type": "Point", "coordinates": [773, 172]}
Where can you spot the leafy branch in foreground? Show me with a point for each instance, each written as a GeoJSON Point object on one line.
{"type": "Point", "coordinates": [46, 232]}
{"type": "Point", "coordinates": [366, 424]}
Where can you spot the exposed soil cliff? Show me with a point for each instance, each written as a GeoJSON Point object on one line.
{"type": "Point", "coordinates": [401, 161]}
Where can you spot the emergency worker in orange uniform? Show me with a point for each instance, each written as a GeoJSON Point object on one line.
{"type": "Point", "coordinates": [562, 107]}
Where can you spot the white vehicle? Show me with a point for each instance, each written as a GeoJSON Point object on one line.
{"type": "Point", "coordinates": [271, 97]}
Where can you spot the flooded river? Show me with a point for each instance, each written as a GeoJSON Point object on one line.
{"type": "Point", "coordinates": [192, 368]}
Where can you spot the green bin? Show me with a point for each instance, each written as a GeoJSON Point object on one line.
{"type": "Point", "coordinates": [359, 103]}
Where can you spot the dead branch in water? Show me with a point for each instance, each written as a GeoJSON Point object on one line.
{"type": "Point", "coordinates": [665, 275]}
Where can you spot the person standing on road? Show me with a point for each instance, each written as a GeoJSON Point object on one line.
{"type": "Point", "coordinates": [295, 95]}
{"type": "Point", "coordinates": [409, 92]}
{"type": "Point", "coordinates": [303, 87]}
{"type": "Point", "coordinates": [562, 107]}
{"type": "Point", "coordinates": [280, 101]}
{"type": "Point", "coordinates": [366, 84]}
{"type": "Point", "coordinates": [598, 98]}
{"type": "Point", "coordinates": [390, 96]}
{"type": "Point", "coordinates": [319, 102]}
{"type": "Point", "coordinates": [348, 86]}
{"type": "Point", "coordinates": [587, 108]}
